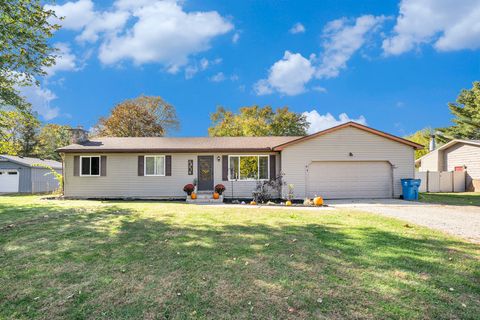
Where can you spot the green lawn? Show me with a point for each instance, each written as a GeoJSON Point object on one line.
{"type": "Point", "coordinates": [457, 199]}
{"type": "Point", "coordinates": [153, 260]}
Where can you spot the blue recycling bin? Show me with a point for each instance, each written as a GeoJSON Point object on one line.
{"type": "Point", "coordinates": [410, 189]}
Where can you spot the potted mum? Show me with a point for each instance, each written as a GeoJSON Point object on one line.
{"type": "Point", "coordinates": [189, 188]}
{"type": "Point", "coordinates": [219, 188]}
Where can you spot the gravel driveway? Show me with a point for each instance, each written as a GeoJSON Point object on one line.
{"type": "Point", "coordinates": [462, 221]}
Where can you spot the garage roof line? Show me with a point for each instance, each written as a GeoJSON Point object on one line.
{"type": "Point", "coordinates": [355, 125]}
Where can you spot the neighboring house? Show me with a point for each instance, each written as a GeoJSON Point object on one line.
{"type": "Point", "coordinates": [456, 155]}
{"type": "Point", "coordinates": [19, 174]}
{"type": "Point", "coordinates": [347, 161]}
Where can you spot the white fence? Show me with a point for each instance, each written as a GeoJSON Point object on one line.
{"type": "Point", "coordinates": [444, 181]}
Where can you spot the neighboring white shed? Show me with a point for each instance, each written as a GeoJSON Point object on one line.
{"type": "Point", "coordinates": [21, 175]}
{"type": "Point", "coordinates": [348, 161]}
{"type": "Point", "coordinates": [456, 155]}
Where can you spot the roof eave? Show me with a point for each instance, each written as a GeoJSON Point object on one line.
{"type": "Point", "coordinates": [163, 150]}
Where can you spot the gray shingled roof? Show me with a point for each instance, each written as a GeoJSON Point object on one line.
{"type": "Point", "coordinates": [192, 144]}
{"type": "Point", "coordinates": [29, 162]}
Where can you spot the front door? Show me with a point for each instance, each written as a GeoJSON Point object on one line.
{"type": "Point", "coordinates": [205, 173]}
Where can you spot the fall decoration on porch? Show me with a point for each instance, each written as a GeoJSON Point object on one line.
{"type": "Point", "coordinates": [219, 188]}
{"type": "Point", "coordinates": [193, 196]}
{"type": "Point", "coordinates": [253, 203]}
{"type": "Point", "coordinates": [189, 188]}
{"type": "Point", "coordinates": [288, 203]}
{"type": "Point", "coordinates": [216, 195]}
{"type": "Point", "coordinates": [318, 201]}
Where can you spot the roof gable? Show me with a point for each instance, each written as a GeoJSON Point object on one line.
{"type": "Point", "coordinates": [354, 125]}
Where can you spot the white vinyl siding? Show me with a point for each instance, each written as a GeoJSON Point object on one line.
{"type": "Point", "coordinates": [462, 154]}
{"type": "Point", "coordinates": [431, 162]}
{"type": "Point", "coordinates": [123, 180]}
{"type": "Point", "coordinates": [337, 146]}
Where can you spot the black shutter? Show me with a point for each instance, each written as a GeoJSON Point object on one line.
{"type": "Point", "coordinates": [168, 165]}
{"type": "Point", "coordinates": [225, 168]}
{"type": "Point", "coordinates": [141, 169]}
{"type": "Point", "coordinates": [103, 166]}
{"type": "Point", "coordinates": [273, 167]}
{"type": "Point", "coordinates": [76, 166]}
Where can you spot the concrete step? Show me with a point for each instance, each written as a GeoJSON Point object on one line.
{"type": "Point", "coordinates": [205, 197]}
{"type": "Point", "coordinates": [211, 200]}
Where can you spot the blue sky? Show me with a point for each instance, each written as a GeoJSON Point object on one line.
{"type": "Point", "coordinates": [393, 65]}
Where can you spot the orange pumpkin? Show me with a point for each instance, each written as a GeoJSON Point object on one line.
{"type": "Point", "coordinates": [318, 201]}
{"type": "Point", "coordinates": [253, 203]}
{"type": "Point", "coordinates": [216, 195]}
{"type": "Point", "coordinates": [193, 196]}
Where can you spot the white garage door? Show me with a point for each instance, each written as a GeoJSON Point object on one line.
{"type": "Point", "coordinates": [9, 181]}
{"type": "Point", "coordinates": [350, 179]}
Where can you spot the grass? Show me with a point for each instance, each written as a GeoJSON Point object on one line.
{"type": "Point", "coordinates": [153, 260]}
{"type": "Point", "coordinates": [456, 199]}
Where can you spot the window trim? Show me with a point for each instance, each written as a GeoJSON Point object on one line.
{"type": "Point", "coordinates": [99, 166]}
{"type": "Point", "coordinates": [258, 166]}
{"type": "Point", "coordinates": [154, 156]}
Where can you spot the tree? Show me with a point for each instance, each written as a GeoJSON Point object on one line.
{"type": "Point", "coordinates": [467, 116]}
{"type": "Point", "coordinates": [24, 49]}
{"type": "Point", "coordinates": [257, 121]}
{"type": "Point", "coordinates": [140, 117]}
{"type": "Point", "coordinates": [422, 137]}
{"type": "Point", "coordinates": [18, 132]}
{"type": "Point", "coordinates": [51, 137]}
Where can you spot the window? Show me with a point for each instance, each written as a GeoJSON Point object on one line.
{"type": "Point", "coordinates": [248, 168]}
{"type": "Point", "coordinates": [90, 166]}
{"type": "Point", "coordinates": [154, 165]}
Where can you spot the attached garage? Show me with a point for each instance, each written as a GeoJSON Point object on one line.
{"type": "Point", "coordinates": [350, 179]}
{"type": "Point", "coordinates": [23, 175]}
{"type": "Point", "coordinates": [347, 161]}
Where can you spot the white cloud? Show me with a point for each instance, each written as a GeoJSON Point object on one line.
{"type": "Point", "coordinates": [319, 122]}
{"type": "Point", "coordinates": [343, 37]}
{"type": "Point", "coordinates": [164, 33]}
{"type": "Point", "coordinates": [81, 16]}
{"type": "Point", "coordinates": [192, 69]}
{"type": "Point", "coordinates": [219, 77]}
{"type": "Point", "coordinates": [76, 14]}
{"type": "Point", "coordinates": [447, 24]}
{"type": "Point", "coordinates": [236, 37]}
{"type": "Point", "coordinates": [143, 31]}
{"type": "Point", "coordinates": [287, 76]}
{"type": "Point", "coordinates": [65, 60]}
{"type": "Point", "coordinates": [40, 100]}
{"type": "Point", "coordinates": [297, 28]}
{"type": "Point", "coordinates": [342, 40]}
{"type": "Point", "coordinates": [106, 22]}
{"type": "Point", "coordinates": [320, 89]}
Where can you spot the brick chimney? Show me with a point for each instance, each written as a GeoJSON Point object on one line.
{"type": "Point", "coordinates": [79, 135]}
